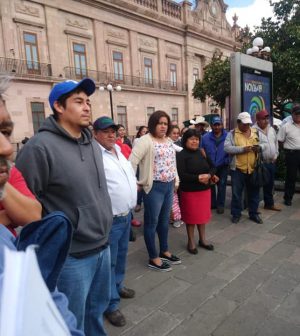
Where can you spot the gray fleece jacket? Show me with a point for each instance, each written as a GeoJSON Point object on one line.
{"type": "Point", "coordinates": [67, 174]}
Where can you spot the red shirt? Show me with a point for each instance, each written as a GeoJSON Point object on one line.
{"type": "Point", "coordinates": [125, 149]}
{"type": "Point", "coordinates": [16, 179]}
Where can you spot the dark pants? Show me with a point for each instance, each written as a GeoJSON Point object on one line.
{"type": "Point", "coordinates": [218, 191]}
{"type": "Point", "coordinates": [292, 162]}
{"type": "Point", "coordinates": [240, 181]}
{"type": "Point", "coordinates": [268, 188]}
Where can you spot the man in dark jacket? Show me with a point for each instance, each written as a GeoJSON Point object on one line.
{"type": "Point", "coordinates": [63, 166]}
{"type": "Point", "coordinates": [213, 144]}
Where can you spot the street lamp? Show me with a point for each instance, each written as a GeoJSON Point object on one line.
{"type": "Point", "coordinates": [110, 88]}
{"type": "Point", "coordinates": [258, 51]}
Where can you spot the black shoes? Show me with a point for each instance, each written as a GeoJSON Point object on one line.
{"type": "Point", "coordinates": [127, 293]}
{"type": "Point", "coordinates": [287, 202]}
{"type": "Point", "coordinates": [172, 259]}
{"type": "Point", "coordinates": [192, 250]}
{"type": "Point", "coordinates": [116, 318]}
{"type": "Point", "coordinates": [220, 210]}
{"type": "Point", "coordinates": [256, 219]}
{"type": "Point", "coordinates": [164, 267]}
{"type": "Point", "coordinates": [209, 247]}
{"type": "Point", "coordinates": [235, 220]}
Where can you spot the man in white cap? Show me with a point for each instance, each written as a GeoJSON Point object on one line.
{"type": "Point", "coordinates": [200, 124]}
{"type": "Point", "coordinates": [243, 144]}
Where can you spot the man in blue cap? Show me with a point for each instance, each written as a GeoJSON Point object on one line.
{"type": "Point", "coordinates": [63, 166]}
{"type": "Point", "coordinates": [213, 144]}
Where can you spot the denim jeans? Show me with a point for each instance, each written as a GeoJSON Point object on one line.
{"type": "Point", "coordinates": [86, 283]}
{"type": "Point", "coordinates": [157, 204]}
{"type": "Point", "coordinates": [218, 198]}
{"type": "Point", "coordinates": [239, 181]}
{"type": "Point", "coordinates": [268, 188]}
{"type": "Point", "coordinates": [118, 241]}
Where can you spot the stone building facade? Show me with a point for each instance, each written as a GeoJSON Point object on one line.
{"type": "Point", "coordinates": [153, 49]}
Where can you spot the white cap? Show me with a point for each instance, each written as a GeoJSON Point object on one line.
{"type": "Point", "coordinates": [244, 117]}
{"type": "Point", "coordinates": [199, 120]}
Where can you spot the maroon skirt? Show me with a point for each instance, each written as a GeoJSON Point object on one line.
{"type": "Point", "coordinates": [195, 206]}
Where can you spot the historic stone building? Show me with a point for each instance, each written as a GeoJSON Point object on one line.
{"type": "Point", "coordinates": [153, 49]}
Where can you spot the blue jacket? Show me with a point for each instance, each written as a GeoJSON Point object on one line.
{"type": "Point", "coordinates": [52, 234]}
{"type": "Point", "coordinates": [214, 148]}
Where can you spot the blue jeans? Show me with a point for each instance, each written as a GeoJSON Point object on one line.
{"type": "Point", "coordinates": [239, 181]}
{"type": "Point", "coordinates": [86, 283]}
{"type": "Point", "coordinates": [118, 240]}
{"type": "Point", "coordinates": [218, 199]}
{"type": "Point", "coordinates": [268, 188]}
{"type": "Point", "coordinates": [157, 209]}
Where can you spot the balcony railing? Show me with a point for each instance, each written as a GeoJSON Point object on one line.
{"type": "Point", "coordinates": [167, 7]}
{"type": "Point", "coordinates": [130, 81]}
{"type": "Point", "coordinates": [24, 68]}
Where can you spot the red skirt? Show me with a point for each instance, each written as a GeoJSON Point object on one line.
{"type": "Point", "coordinates": [195, 206]}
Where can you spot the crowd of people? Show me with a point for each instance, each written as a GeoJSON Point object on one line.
{"type": "Point", "coordinates": [97, 177]}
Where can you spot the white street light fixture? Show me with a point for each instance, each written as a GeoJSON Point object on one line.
{"type": "Point", "coordinates": [110, 89]}
{"type": "Point", "coordinates": [258, 42]}
{"type": "Point", "coordinates": [249, 51]}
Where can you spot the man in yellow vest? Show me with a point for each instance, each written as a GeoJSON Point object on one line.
{"type": "Point", "coordinates": [242, 144]}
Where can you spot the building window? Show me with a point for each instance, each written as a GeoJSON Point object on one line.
{"type": "Point", "coordinates": [174, 114]}
{"type": "Point", "coordinates": [195, 74]}
{"type": "Point", "coordinates": [118, 66]}
{"type": "Point", "coordinates": [79, 60]}
{"type": "Point", "coordinates": [150, 110]}
{"type": "Point", "coordinates": [31, 52]}
{"type": "Point", "coordinates": [38, 115]}
{"type": "Point", "coordinates": [122, 115]}
{"type": "Point", "coordinates": [148, 71]}
{"type": "Point", "coordinates": [173, 75]}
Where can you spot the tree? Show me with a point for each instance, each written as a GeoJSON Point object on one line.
{"type": "Point", "coordinates": [282, 34]}
{"type": "Point", "coordinates": [215, 82]}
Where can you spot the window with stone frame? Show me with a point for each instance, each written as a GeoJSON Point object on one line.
{"type": "Point", "coordinates": [79, 52]}
{"type": "Point", "coordinates": [122, 116]}
{"type": "Point", "coordinates": [148, 71]}
{"type": "Point", "coordinates": [118, 66]}
{"type": "Point", "coordinates": [38, 115]}
{"type": "Point", "coordinates": [174, 114]}
{"type": "Point", "coordinates": [173, 75]}
{"type": "Point", "coordinates": [31, 53]}
{"type": "Point", "coordinates": [150, 110]}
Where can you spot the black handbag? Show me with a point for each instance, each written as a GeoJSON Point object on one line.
{"type": "Point", "coordinates": [260, 176]}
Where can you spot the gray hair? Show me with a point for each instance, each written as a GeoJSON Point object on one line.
{"type": "Point", "coordinates": [4, 83]}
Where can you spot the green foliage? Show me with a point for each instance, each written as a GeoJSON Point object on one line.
{"type": "Point", "coordinates": [282, 34]}
{"type": "Point", "coordinates": [215, 82]}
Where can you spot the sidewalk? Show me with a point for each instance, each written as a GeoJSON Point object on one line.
{"type": "Point", "coordinates": [250, 284]}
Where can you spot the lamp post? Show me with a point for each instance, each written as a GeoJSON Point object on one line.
{"type": "Point", "coordinates": [258, 51]}
{"type": "Point", "coordinates": [110, 88]}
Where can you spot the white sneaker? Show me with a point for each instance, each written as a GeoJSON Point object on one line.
{"type": "Point", "coordinates": [177, 224]}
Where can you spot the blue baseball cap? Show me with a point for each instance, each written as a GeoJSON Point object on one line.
{"type": "Point", "coordinates": [86, 84]}
{"type": "Point", "coordinates": [104, 123]}
{"type": "Point", "coordinates": [216, 120]}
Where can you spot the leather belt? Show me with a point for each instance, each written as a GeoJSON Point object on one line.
{"type": "Point", "coordinates": [123, 214]}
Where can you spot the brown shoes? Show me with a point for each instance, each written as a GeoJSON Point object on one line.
{"type": "Point", "coordinates": [116, 318]}
{"type": "Point", "coordinates": [273, 207]}
{"type": "Point", "coordinates": [127, 293]}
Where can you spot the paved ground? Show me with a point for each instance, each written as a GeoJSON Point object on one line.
{"type": "Point", "coordinates": [250, 284]}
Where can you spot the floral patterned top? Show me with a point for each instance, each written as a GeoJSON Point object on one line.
{"type": "Point", "coordinates": [164, 168]}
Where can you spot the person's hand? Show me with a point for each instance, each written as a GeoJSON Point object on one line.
{"type": "Point", "coordinates": [247, 149]}
{"type": "Point", "coordinates": [215, 179]}
{"type": "Point", "coordinates": [139, 187]}
{"type": "Point", "coordinates": [256, 148]}
{"type": "Point", "coordinates": [204, 178]}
